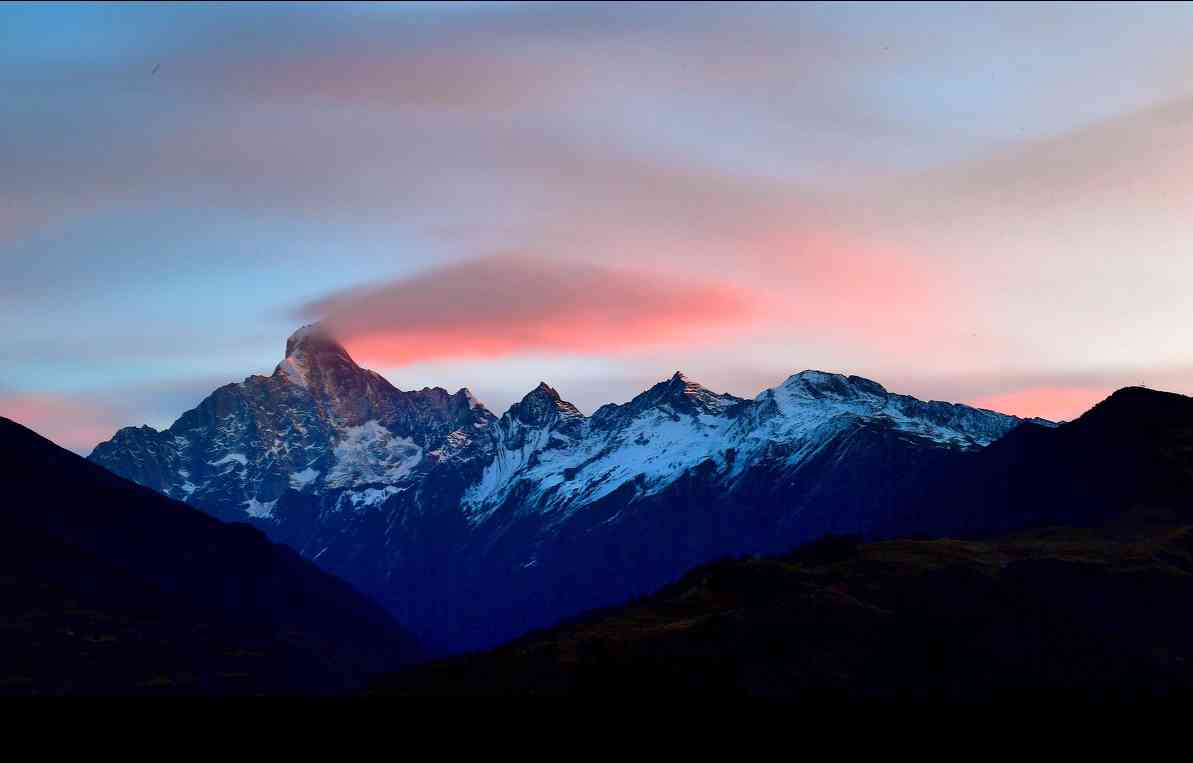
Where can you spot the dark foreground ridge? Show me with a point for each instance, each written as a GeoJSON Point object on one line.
{"type": "Point", "coordinates": [1126, 461]}
{"type": "Point", "coordinates": [107, 587]}
{"type": "Point", "coordinates": [1066, 611]}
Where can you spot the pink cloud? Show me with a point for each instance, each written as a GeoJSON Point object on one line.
{"type": "Point", "coordinates": [795, 282]}
{"type": "Point", "coordinates": [516, 304]}
{"type": "Point", "coordinates": [877, 295]}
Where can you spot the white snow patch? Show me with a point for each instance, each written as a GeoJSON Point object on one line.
{"type": "Point", "coordinates": [293, 372]}
{"type": "Point", "coordinates": [370, 453]}
{"type": "Point", "coordinates": [371, 496]}
{"type": "Point", "coordinates": [238, 457]}
{"type": "Point", "coordinates": [299, 480]}
{"type": "Point", "coordinates": [259, 509]}
{"type": "Point", "coordinates": [652, 447]}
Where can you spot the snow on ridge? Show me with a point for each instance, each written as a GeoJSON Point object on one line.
{"type": "Point", "coordinates": [544, 445]}
{"type": "Point", "coordinates": [372, 496]}
{"type": "Point", "coordinates": [652, 448]}
{"type": "Point", "coordinates": [293, 372]}
{"type": "Point", "coordinates": [229, 458]}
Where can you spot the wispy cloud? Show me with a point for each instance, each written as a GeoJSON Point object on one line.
{"type": "Point", "coordinates": [959, 189]}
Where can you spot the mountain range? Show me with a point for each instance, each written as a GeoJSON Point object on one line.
{"type": "Point", "coordinates": [472, 528]}
{"type": "Point", "coordinates": [940, 551]}
{"type": "Point", "coordinates": [1090, 602]}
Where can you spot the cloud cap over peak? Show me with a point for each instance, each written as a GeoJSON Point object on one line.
{"type": "Point", "coordinates": [514, 303]}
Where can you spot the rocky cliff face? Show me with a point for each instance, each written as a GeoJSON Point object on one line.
{"type": "Point", "coordinates": [320, 425]}
{"type": "Point", "coordinates": [473, 528]}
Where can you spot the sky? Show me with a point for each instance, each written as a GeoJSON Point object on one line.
{"type": "Point", "coordinates": [980, 203]}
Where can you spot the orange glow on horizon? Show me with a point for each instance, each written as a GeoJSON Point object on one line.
{"type": "Point", "coordinates": [1056, 403]}
{"type": "Point", "coordinates": [72, 425]}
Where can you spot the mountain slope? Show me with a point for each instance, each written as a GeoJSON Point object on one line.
{"type": "Point", "coordinates": [320, 425]}
{"type": "Point", "coordinates": [111, 588]}
{"type": "Point", "coordinates": [1072, 612]}
{"type": "Point", "coordinates": [1097, 608]}
{"type": "Point", "coordinates": [472, 528]}
{"type": "Point", "coordinates": [1128, 458]}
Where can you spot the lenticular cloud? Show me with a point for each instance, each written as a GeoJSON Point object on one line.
{"type": "Point", "coordinates": [510, 303]}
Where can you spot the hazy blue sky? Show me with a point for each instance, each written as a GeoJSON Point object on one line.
{"type": "Point", "coordinates": [979, 202]}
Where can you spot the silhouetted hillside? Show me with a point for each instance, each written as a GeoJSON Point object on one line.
{"type": "Point", "coordinates": [108, 587]}
{"type": "Point", "coordinates": [1048, 611]}
{"type": "Point", "coordinates": [1127, 460]}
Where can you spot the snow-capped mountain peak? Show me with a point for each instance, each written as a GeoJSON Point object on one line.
{"type": "Point", "coordinates": [675, 397]}
{"type": "Point", "coordinates": [320, 424]}
{"type": "Point", "coordinates": [823, 384]}
{"type": "Point", "coordinates": [543, 406]}
{"type": "Point", "coordinates": [472, 400]}
{"type": "Point", "coordinates": [313, 357]}
{"type": "Point", "coordinates": [312, 338]}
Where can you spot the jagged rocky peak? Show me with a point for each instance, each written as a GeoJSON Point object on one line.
{"type": "Point", "coordinates": [435, 406]}
{"type": "Point", "coordinates": [314, 341]}
{"type": "Point", "coordinates": [672, 388]}
{"type": "Point", "coordinates": [542, 405]}
{"type": "Point", "coordinates": [679, 394]}
{"type": "Point", "coordinates": [543, 390]}
{"type": "Point", "coordinates": [312, 336]}
{"type": "Point", "coordinates": [470, 399]}
{"type": "Point", "coordinates": [312, 351]}
{"type": "Point", "coordinates": [683, 384]}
